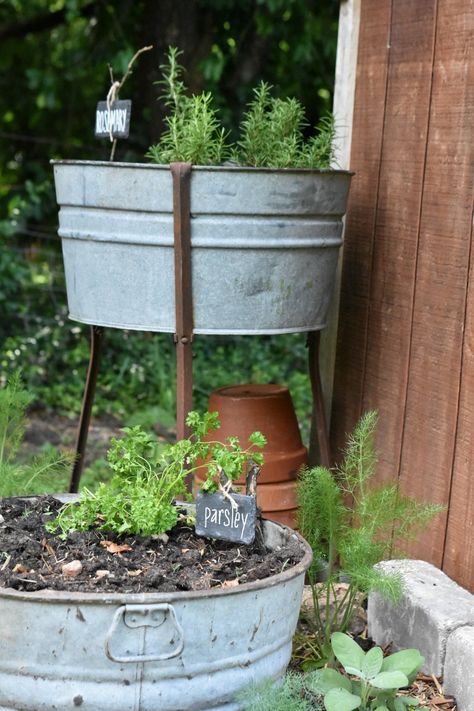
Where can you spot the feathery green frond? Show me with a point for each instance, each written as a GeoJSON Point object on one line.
{"type": "Point", "coordinates": [291, 695]}
{"type": "Point", "coordinates": [360, 459]}
{"type": "Point", "coordinates": [23, 476]}
{"type": "Point", "coordinates": [321, 513]}
{"type": "Point", "coordinates": [14, 400]}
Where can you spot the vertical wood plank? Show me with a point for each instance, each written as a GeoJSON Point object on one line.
{"type": "Point", "coordinates": [369, 107]}
{"type": "Point", "coordinates": [397, 224]}
{"type": "Point", "coordinates": [406, 335]}
{"type": "Point", "coordinates": [458, 560]}
{"type": "Point", "coordinates": [458, 554]}
{"type": "Point", "coordinates": [343, 108]}
{"type": "Point", "coordinates": [441, 282]}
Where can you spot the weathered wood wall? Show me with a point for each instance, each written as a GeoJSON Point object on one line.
{"type": "Point", "coordinates": [406, 330]}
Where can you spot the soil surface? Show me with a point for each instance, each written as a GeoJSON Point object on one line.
{"type": "Point", "coordinates": [95, 561]}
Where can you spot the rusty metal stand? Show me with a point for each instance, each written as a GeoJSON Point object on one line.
{"type": "Point", "coordinates": [97, 334]}
{"type": "Point", "coordinates": [183, 336]}
{"type": "Point", "coordinates": [319, 447]}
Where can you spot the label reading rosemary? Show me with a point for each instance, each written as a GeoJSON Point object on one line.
{"type": "Point", "coordinates": [216, 517]}
{"type": "Point", "coordinates": [117, 119]}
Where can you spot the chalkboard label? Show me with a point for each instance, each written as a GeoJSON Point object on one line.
{"type": "Point", "coordinates": [118, 118]}
{"type": "Point", "coordinates": [217, 518]}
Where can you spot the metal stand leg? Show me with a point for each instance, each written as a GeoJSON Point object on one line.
{"type": "Point", "coordinates": [184, 386]}
{"type": "Point", "coordinates": [319, 447]}
{"type": "Point", "coordinates": [97, 333]}
{"type": "Point", "coordinates": [181, 173]}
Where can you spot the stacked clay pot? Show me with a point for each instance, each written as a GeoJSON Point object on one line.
{"type": "Point", "coordinates": [244, 409]}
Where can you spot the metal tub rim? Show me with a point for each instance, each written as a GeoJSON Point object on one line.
{"type": "Point", "coordinates": [204, 168]}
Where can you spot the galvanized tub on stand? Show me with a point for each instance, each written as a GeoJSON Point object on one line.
{"type": "Point", "coordinates": [264, 245]}
{"type": "Point", "coordinates": [185, 651]}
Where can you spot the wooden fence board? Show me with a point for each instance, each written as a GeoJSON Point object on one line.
{"type": "Point", "coordinates": [441, 281]}
{"type": "Point", "coordinates": [397, 223]}
{"type": "Point", "coordinates": [369, 106]}
{"type": "Point", "coordinates": [406, 334]}
{"type": "Point", "coordinates": [458, 559]}
{"type": "Point", "coordinates": [458, 554]}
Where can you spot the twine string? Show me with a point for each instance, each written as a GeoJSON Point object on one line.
{"type": "Point", "coordinates": [114, 90]}
{"type": "Point", "coordinates": [111, 99]}
{"type": "Point", "coordinates": [225, 490]}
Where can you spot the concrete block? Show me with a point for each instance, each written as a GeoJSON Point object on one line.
{"type": "Point", "coordinates": [458, 677]}
{"type": "Point", "coordinates": [431, 608]}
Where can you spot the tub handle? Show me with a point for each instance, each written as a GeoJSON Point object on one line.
{"type": "Point", "coordinates": [135, 616]}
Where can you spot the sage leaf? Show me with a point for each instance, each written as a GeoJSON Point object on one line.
{"type": "Point", "coordinates": [348, 652]}
{"type": "Point", "coordinates": [341, 700]}
{"type": "Point", "coordinates": [372, 663]}
{"type": "Point", "coordinates": [328, 679]}
{"type": "Point", "coordinates": [389, 680]}
{"type": "Point", "coordinates": [408, 661]}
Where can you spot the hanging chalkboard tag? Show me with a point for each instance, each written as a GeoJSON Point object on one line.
{"type": "Point", "coordinates": [216, 517]}
{"type": "Point", "coordinates": [116, 118]}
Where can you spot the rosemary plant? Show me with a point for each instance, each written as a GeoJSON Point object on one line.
{"type": "Point", "coordinates": [351, 525]}
{"type": "Point", "coordinates": [193, 132]}
{"type": "Point", "coordinates": [271, 131]}
{"type": "Point", "coordinates": [271, 135]}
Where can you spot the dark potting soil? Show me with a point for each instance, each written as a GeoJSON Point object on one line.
{"type": "Point", "coordinates": [97, 561]}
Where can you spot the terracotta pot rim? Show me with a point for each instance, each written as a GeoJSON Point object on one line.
{"type": "Point", "coordinates": [250, 391]}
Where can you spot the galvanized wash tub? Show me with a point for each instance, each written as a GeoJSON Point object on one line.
{"type": "Point", "coordinates": [185, 651]}
{"type": "Point", "coordinates": [264, 245]}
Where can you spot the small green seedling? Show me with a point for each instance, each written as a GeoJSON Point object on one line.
{"type": "Point", "coordinates": [377, 678]}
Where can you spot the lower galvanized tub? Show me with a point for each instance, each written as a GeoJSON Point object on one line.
{"type": "Point", "coordinates": [264, 242]}
{"type": "Point", "coordinates": [185, 651]}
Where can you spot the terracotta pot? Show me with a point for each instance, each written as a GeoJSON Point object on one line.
{"type": "Point", "coordinates": [243, 409]}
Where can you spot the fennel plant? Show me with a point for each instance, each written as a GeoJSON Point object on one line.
{"type": "Point", "coordinates": [22, 475]}
{"type": "Point", "coordinates": [351, 524]}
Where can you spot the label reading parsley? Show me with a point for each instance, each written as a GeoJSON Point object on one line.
{"type": "Point", "coordinates": [217, 518]}
{"type": "Point", "coordinates": [116, 118]}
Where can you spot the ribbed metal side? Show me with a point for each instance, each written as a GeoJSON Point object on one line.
{"type": "Point", "coordinates": [173, 652]}
{"type": "Point", "coordinates": [264, 246]}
